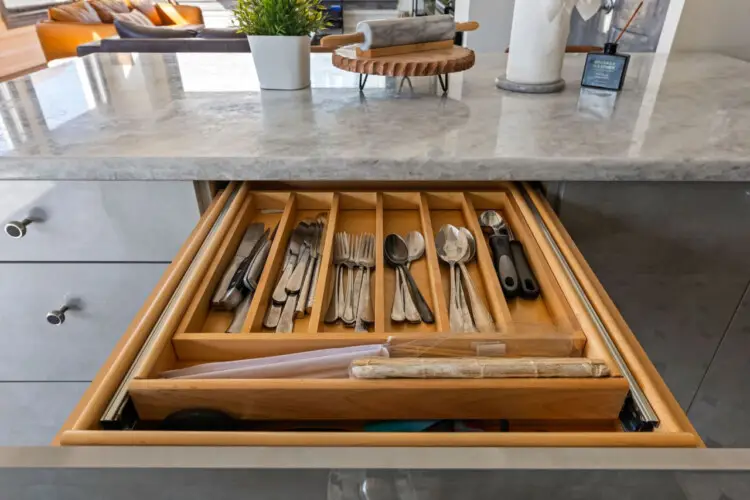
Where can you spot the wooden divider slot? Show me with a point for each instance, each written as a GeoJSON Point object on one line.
{"type": "Point", "coordinates": [550, 309]}
{"type": "Point", "coordinates": [356, 216]}
{"type": "Point", "coordinates": [449, 208]}
{"type": "Point", "coordinates": [438, 292]}
{"type": "Point", "coordinates": [259, 207]}
{"type": "Point", "coordinates": [401, 215]}
{"type": "Point", "coordinates": [301, 206]}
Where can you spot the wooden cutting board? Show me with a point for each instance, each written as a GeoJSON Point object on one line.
{"type": "Point", "coordinates": [428, 63]}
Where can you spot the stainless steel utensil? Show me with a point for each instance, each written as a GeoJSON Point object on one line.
{"type": "Point", "coordinates": [481, 315]}
{"type": "Point", "coordinates": [290, 260]}
{"type": "Point", "coordinates": [467, 320]}
{"type": "Point", "coordinates": [502, 258]}
{"type": "Point", "coordinates": [250, 241]}
{"type": "Point", "coordinates": [350, 245]}
{"type": "Point", "coordinates": [397, 254]}
{"type": "Point", "coordinates": [366, 261]}
{"type": "Point", "coordinates": [279, 295]}
{"type": "Point", "coordinates": [335, 309]}
{"type": "Point", "coordinates": [321, 220]}
{"type": "Point", "coordinates": [415, 245]}
{"type": "Point", "coordinates": [240, 313]}
{"type": "Point", "coordinates": [304, 292]}
{"type": "Point", "coordinates": [451, 245]}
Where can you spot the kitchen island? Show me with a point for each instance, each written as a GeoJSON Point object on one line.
{"type": "Point", "coordinates": [201, 116]}
{"type": "Point", "coordinates": [672, 255]}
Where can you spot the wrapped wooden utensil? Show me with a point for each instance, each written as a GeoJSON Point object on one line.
{"type": "Point", "coordinates": [380, 368]}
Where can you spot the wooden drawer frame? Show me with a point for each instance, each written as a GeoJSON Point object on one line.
{"type": "Point", "coordinates": [81, 429]}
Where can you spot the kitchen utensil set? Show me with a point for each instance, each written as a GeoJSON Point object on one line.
{"type": "Point", "coordinates": [509, 258]}
{"type": "Point", "coordinates": [237, 286]}
{"type": "Point", "coordinates": [353, 255]}
{"type": "Point", "coordinates": [456, 247]}
{"type": "Point", "coordinates": [408, 302]}
{"type": "Point", "coordinates": [293, 294]}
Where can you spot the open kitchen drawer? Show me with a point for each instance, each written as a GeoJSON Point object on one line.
{"type": "Point", "coordinates": [177, 328]}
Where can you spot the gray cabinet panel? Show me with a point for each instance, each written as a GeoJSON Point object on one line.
{"type": "Point", "coordinates": [32, 349]}
{"type": "Point", "coordinates": [97, 221]}
{"type": "Point", "coordinates": [32, 413]}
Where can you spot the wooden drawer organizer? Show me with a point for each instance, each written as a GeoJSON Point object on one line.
{"type": "Point", "coordinates": [541, 412]}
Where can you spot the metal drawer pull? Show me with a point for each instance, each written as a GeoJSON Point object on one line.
{"type": "Point", "coordinates": [57, 317]}
{"type": "Point", "coordinates": [17, 229]}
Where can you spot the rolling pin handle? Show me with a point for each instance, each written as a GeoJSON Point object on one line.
{"type": "Point", "coordinates": [467, 26]}
{"type": "Point", "coordinates": [335, 41]}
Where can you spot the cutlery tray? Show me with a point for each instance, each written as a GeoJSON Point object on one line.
{"type": "Point", "coordinates": [543, 327]}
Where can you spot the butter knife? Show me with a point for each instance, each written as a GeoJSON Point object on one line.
{"type": "Point", "coordinates": [250, 240]}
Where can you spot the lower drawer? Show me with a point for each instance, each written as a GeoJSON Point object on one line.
{"type": "Point", "coordinates": [102, 298]}
{"type": "Point", "coordinates": [573, 317]}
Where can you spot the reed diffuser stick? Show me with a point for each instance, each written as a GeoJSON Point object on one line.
{"type": "Point", "coordinates": [630, 21]}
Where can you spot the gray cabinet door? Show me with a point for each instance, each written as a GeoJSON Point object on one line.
{"type": "Point", "coordinates": [31, 349]}
{"type": "Point", "coordinates": [97, 221]}
{"type": "Point", "coordinates": [33, 412]}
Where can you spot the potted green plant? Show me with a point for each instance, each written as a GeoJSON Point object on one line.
{"type": "Point", "coordinates": [279, 35]}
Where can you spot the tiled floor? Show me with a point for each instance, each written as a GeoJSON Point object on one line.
{"type": "Point", "coordinates": [674, 257]}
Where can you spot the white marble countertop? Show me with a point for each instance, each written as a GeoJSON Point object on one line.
{"type": "Point", "coordinates": [202, 116]}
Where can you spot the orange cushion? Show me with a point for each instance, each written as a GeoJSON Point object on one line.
{"type": "Point", "coordinates": [105, 8]}
{"type": "Point", "coordinates": [148, 8]}
{"type": "Point", "coordinates": [78, 12]}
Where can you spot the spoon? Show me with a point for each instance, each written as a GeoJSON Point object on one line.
{"type": "Point", "coordinates": [468, 322]}
{"type": "Point", "coordinates": [451, 245]}
{"type": "Point", "coordinates": [415, 244]}
{"type": "Point", "coordinates": [482, 317]}
{"type": "Point", "coordinates": [397, 255]}
{"type": "Point", "coordinates": [493, 225]}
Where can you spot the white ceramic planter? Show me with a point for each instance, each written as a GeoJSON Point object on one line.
{"type": "Point", "coordinates": [282, 62]}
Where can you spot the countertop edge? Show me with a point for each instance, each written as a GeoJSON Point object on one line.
{"type": "Point", "coordinates": [369, 169]}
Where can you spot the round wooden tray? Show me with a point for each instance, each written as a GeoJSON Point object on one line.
{"type": "Point", "coordinates": [428, 63]}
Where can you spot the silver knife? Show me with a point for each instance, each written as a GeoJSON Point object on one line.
{"type": "Point", "coordinates": [258, 263]}
{"type": "Point", "coordinates": [250, 240]}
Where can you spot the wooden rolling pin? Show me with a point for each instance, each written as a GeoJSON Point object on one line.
{"type": "Point", "coordinates": [410, 34]}
{"type": "Point", "coordinates": [380, 368]}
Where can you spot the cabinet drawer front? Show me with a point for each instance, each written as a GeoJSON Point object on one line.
{"type": "Point", "coordinates": [95, 221]}
{"type": "Point", "coordinates": [34, 411]}
{"type": "Point", "coordinates": [103, 299]}
{"type": "Point", "coordinates": [536, 412]}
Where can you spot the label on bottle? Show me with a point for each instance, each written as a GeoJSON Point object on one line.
{"type": "Point", "coordinates": [604, 71]}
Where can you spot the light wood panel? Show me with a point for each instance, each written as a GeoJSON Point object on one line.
{"type": "Point", "coordinates": [20, 52]}
{"type": "Point", "coordinates": [209, 347]}
{"type": "Point", "coordinates": [311, 399]}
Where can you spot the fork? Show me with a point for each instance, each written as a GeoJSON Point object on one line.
{"type": "Point", "coordinates": [335, 306]}
{"type": "Point", "coordinates": [367, 262]}
{"type": "Point", "coordinates": [352, 246]}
